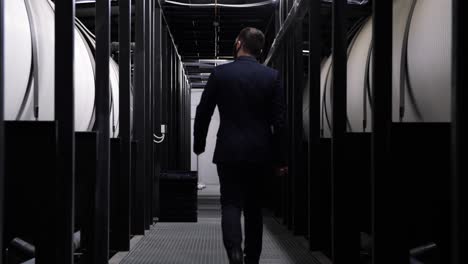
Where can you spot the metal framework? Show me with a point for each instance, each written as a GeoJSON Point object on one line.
{"type": "Point", "coordinates": [297, 11]}
{"type": "Point", "coordinates": [386, 224]}
{"type": "Point", "coordinates": [140, 117]}
{"type": "Point", "coordinates": [298, 172]}
{"type": "Point", "coordinates": [314, 118]}
{"type": "Point", "coordinates": [345, 234]}
{"type": "Point", "coordinates": [124, 112]}
{"type": "Point", "coordinates": [158, 75]}
{"type": "Point", "coordinates": [65, 116]}
{"type": "Point", "coordinates": [162, 96]}
{"type": "Point", "coordinates": [156, 107]}
{"type": "Point", "coordinates": [2, 136]}
{"type": "Point", "coordinates": [459, 217]}
{"type": "Point", "coordinates": [101, 229]}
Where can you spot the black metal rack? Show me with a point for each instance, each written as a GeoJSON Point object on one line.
{"type": "Point", "coordinates": [2, 83]}
{"type": "Point", "coordinates": [458, 144]}
{"type": "Point", "coordinates": [377, 215]}
{"type": "Point", "coordinates": [105, 189]}
{"type": "Point", "coordinates": [108, 189]}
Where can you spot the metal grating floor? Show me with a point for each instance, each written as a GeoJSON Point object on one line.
{"type": "Point", "coordinates": [201, 243]}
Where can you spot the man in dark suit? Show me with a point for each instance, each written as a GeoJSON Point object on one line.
{"type": "Point", "coordinates": [250, 140]}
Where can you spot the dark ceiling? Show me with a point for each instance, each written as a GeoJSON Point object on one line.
{"type": "Point", "coordinates": [209, 32]}
{"type": "Point", "coordinates": [204, 34]}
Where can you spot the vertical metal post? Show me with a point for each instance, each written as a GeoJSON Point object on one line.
{"type": "Point", "coordinates": [124, 104]}
{"type": "Point", "coordinates": [101, 223]}
{"type": "Point", "coordinates": [148, 115]}
{"type": "Point", "coordinates": [179, 110]}
{"type": "Point", "coordinates": [389, 245]}
{"type": "Point", "coordinates": [459, 138]}
{"type": "Point", "coordinates": [169, 94]}
{"type": "Point", "coordinates": [172, 132]}
{"type": "Point", "coordinates": [139, 112]}
{"type": "Point", "coordinates": [345, 241]}
{"type": "Point", "coordinates": [65, 116]}
{"type": "Point", "coordinates": [157, 89]}
{"type": "Point", "coordinates": [314, 110]}
{"type": "Point", "coordinates": [277, 17]}
{"type": "Point", "coordinates": [187, 123]}
{"type": "Point", "coordinates": [165, 70]}
{"type": "Point", "coordinates": [2, 134]}
{"type": "Point", "coordinates": [298, 160]}
{"type": "Point", "coordinates": [290, 103]}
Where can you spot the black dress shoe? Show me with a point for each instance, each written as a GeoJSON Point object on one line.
{"type": "Point", "coordinates": [237, 257]}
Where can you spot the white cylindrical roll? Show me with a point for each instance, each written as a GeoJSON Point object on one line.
{"type": "Point", "coordinates": [39, 16]}
{"type": "Point", "coordinates": [30, 40]}
{"type": "Point", "coordinates": [430, 59]}
{"type": "Point", "coordinates": [427, 98]}
{"type": "Point", "coordinates": [114, 83]}
{"type": "Point", "coordinates": [325, 103]}
{"type": "Point", "coordinates": [357, 62]}
{"type": "Point", "coordinates": [84, 84]}
{"type": "Point", "coordinates": [18, 57]}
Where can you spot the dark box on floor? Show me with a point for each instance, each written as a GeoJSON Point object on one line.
{"type": "Point", "coordinates": [178, 196]}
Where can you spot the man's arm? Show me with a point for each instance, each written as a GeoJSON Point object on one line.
{"type": "Point", "coordinates": [203, 116]}
{"type": "Point", "coordinates": [278, 121]}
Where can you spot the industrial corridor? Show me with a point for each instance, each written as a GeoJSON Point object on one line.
{"type": "Point", "coordinates": [233, 132]}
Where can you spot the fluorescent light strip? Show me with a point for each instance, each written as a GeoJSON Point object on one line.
{"type": "Point", "coordinates": [222, 5]}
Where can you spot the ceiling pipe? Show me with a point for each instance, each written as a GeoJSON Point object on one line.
{"type": "Point", "coordinates": [258, 4]}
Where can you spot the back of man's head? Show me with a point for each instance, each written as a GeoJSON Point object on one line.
{"type": "Point", "coordinates": [252, 40]}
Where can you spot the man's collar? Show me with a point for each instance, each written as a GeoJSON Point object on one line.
{"type": "Point", "coordinates": [246, 58]}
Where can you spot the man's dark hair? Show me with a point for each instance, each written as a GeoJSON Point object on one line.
{"type": "Point", "coordinates": [252, 40]}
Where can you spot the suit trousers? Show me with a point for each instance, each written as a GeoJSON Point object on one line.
{"type": "Point", "coordinates": [241, 191]}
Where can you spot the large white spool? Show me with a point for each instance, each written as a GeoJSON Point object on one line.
{"type": "Point", "coordinates": [30, 41]}
{"type": "Point", "coordinates": [429, 67]}
{"type": "Point", "coordinates": [18, 56]}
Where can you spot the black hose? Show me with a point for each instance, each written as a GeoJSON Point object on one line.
{"type": "Point", "coordinates": [354, 32]}
{"type": "Point", "coordinates": [26, 249]}
{"type": "Point", "coordinates": [404, 71]}
{"type": "Point", "coordinates": [421, 250]}
{"type": "Point", "coordinates": [367, 91]}
{"type": "Point", "coordinates": [28, 90]}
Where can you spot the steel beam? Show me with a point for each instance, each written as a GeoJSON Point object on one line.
{"type": "Point", "coordinates": [65, 116]}
{"type": "Point", "coordinates": [389, 244]}
{"type": "Point", "coordinates": [139, 115]}
{"type": "Point", "coordinates": [125, 24]}
{"type": "Point", "coordinates": [297, 12]}
{"type": "Point", "coordinates": [314, 114]}
{"type": "Point", "coordinates": [2, 134]}
{"type": "Point", "coordinates": [164, 93]}
{"type": "Point", "coordinates": [300, 181]}
{"type": "Point", "coordinates": [148, 132]}
{"type": "Point", "coordinates": [345, 240]}
{"type": "Point", "coordinates": [459, 234]}
{"type": "Point", "coordinates": [157, 90]}
{"type": "Point", "coordinates": [101, 223]}
{"type": "Point", "coordinates": [289, 59]}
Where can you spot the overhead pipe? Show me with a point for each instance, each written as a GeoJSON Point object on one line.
{"type": "Point", "coordinates": [259, 4]}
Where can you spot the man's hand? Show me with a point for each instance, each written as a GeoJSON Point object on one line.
{"type": "Point", "coordinates": [282, 171]}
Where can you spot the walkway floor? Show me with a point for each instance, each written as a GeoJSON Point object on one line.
{"type": "Point", "coordinates": [201, 243]}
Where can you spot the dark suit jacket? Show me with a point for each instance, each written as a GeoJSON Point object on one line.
{"type": "Point", "coordinates": [251, 105]}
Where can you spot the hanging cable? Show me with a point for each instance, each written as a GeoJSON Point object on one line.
{"type": "Point", "coordinates": [404, 72]}
{"type": "Point", "coordinates": [366, 92]}
{"type": "Point", "coordinates": [159, 139]}
{"type": "Point", "coordinates": [35, 58]}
